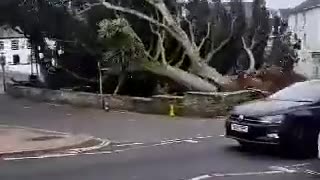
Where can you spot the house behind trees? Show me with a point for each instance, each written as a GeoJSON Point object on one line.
{"type": "Point", "coordinates": [303, 22]}
{"type": "Point", "coordinates": [15, 47]}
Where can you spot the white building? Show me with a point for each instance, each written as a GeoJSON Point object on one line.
{"type": "Point", "coordinates": [15, 47]}
{"type": "Point", "coordinates": [304, 22]}
{"type": "Point", "coordinates": [18, 52]}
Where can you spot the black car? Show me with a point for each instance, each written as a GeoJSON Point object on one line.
{"type": "Point", "coordinates": [289, 119]}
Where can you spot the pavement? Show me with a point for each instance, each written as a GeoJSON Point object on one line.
{"type": "Point", "coordinates": [143, 147]}
{"type": "Point", "coordinates": [28, 141]}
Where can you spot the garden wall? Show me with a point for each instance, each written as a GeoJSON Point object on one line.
{"type": "Point", "coordinates": [192, 104]}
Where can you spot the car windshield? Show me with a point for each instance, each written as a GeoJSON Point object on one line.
{"type": "Point", "coordinates": [300, 92]}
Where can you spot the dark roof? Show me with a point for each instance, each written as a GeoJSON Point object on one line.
{"type": "Point", "coordinates": [285, 13]}
{"type": "Point", "coordinates": [7, 32]}
{"type": "Point", "coordinates": [304, 6]}
{"type": "Point", "coordinates": [307, 5]}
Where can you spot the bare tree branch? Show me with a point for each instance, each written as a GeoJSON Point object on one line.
{"type": "Point", "coordinates": [253, 40]}
{"type": "Point", "coordinates": [223, 43]}
{"type": "Point", "coordinates": [206, 37]}
{"type": "Point", "coordinates": [158, 46]}
{"type": "Point", "coordinates": [179, 64]}
{"type": "Point", "coordinates": [250, 55]}
{"type": "Point", "coordinates": [191, 31]}
{"type": "Point", "coordinates": [160, 51]}
{"type": "Point", "coordinates": [179, 33]}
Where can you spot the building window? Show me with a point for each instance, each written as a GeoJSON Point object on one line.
{"type": "Point", "coordinates": [295, 22]}
{"type": "Point", "coordinates": [29, 45]}
{"type": "Point", "coordinates": [15, 44]}
{"type": "Point", "coordinates": [16, 59]}
{"type": "Point", "coordinates": [305, 40]}
{"type": "Point", "coordinates": [1, 45]}
{"type": "Point", "coordinates": [304, 19]}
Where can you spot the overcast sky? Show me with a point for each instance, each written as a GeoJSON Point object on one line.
{"type": "Point", "coordinates": [283, 3]}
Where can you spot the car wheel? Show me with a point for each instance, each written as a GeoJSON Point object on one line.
{"type": "Point", "coordinates": [318, 144]}
{"type": "Point", "coordinates": [245, 145]}
{"type": "Point", "coordinates": [302, 144]}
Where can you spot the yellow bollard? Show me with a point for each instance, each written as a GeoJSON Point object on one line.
{"type": "Point", "coordinates": [171, 112]}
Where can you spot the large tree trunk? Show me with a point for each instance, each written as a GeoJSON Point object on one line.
{"type": "Point", "coordinates": [205, 71]}
{"type": "Point", "coordinates": [199, 67]}
{"type": "Point", "coordinates": [121, 80]}
{"type": "Point", "coordinates": [184, 78]}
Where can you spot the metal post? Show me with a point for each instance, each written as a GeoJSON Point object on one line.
{"type": "Point", "coordinates": [4, 78]}
{"type": "Point", "coordinates": [101, 86]}
{"type": "Point", "coordinates": [3, 63]}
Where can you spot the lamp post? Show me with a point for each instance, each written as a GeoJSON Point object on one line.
{"type": "Point", "coordinates": [3, 63]}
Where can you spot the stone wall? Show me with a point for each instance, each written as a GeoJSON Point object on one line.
{"type": "Point", "coordinates": [80, 99]}
{"type": "Point", "coordinates": [215, 104]}
{"type": "Point", "coordinates": [192, 104]}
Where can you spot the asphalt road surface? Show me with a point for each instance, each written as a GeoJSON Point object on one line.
{"type": "Point", "coordinates": [144, 147]}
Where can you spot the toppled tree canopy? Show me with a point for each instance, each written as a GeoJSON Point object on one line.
{"type": "Point", "coordinates": [195, 43]}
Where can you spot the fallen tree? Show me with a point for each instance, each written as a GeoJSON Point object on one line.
{"type": "Point", "coordinates": [199, 75]}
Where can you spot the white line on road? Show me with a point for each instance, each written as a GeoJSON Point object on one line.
{"type": "Point", "coordinates": [283, 169]}
{"type": "Point", "coordinates": [84, 151]}
{"type": "Point", "coordinates": [103, 143]}
{"type": "Point", "coordinates": [274, 170]}
{"type": "Point", "coordinates": [191, 141]}
{"type": "Point", "coordinates": [40, 157]}
{"type": "Point", "coordinates": [55, 105]}
{"type": "Point", "coordinates": [132, 144]}
{"type": "Point", "coordinates": [35, 129]}
{"type": "Point", "coordinates": [298, 165]}
{"type": "Point", "coordinates": [201, 177]}
{"type": "Point", "coordinates": [247, 173]}
{"type": "Point", "coordinates": [311, 172]}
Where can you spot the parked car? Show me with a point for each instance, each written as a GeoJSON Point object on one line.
{"type": "Point", "coordinates": [289, 119]}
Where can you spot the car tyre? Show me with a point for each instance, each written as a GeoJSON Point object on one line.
{"type": "Point", "coordinates": [318, 145]}
{"type": "Point", "coordinates": [245, 145]}
{"type": "Point", "coordinates": [303, 143]}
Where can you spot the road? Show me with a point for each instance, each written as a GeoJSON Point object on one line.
{"type": "Point", "coordinates": [144, 147]}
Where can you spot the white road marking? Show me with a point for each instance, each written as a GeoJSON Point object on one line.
{"type": "Point", "coordinates": [132, 144]}
{"type": "Point", "coordinates": [247, 173]}
{"type": "Point", "coordinates": [40, 157]}
{"type": "Point", "coordinates": [55, 105]}
{"type": "Point", "coordinates": [311, 172]}
{"type": "Point", "coordinates": [97, 153]}
{"type": "Point", "coordinates": [201, 177]}
{"type": "Point", "coordinates": [191, 141]}
{"type": "Point", "coordinates": [103, 143]}
{"type": "Point", "coordinates": [299, 165]}
{"type": "Point", "coordinates": [35, 129]}
{"type": "Point", "coordinates": [274, 170]}
{"type": "Point", "coordinates": [283, 169]}
{"type": "Point", "coordinates": [200, 137]}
